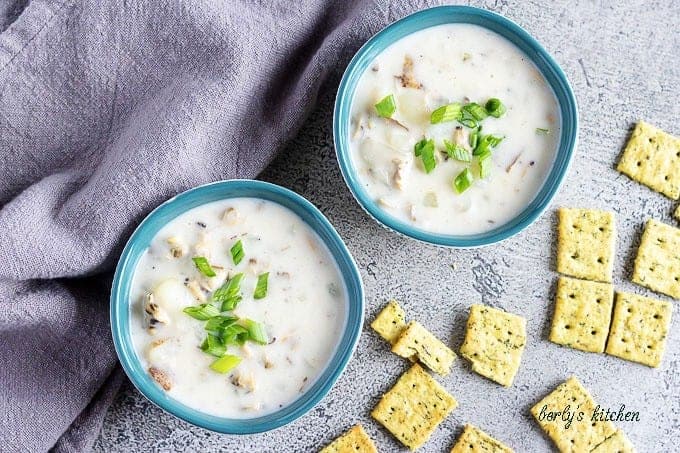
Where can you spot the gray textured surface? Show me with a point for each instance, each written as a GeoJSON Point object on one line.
{"type": "Point", "coordinates": [622, 62]}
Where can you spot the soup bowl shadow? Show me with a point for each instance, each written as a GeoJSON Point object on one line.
{"type": "Point", "coordinates": [121, 303]}
{"type": "Point", "coordinates": [441, 15]}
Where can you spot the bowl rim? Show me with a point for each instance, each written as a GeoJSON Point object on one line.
{"type": "Point", "coordinates": [119, 307]}
{"type": "Point", "coordinates": [509, 30]}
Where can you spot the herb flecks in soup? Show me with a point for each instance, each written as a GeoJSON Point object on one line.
{"type": "Point", "coordinates": [454, 130]}
{"type": "Point", "coordinates": [237, 307]}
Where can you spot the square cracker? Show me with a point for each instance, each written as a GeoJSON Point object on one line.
{"type": "Point", "coordinates": [414, 407]}
{"type": "Point", "coordinates": [585, 244]}
{"type": "Point", "coordinates": [580, 436]}
{"type": "Point", "coordinates": [583, 311]}
{"type": "Point", "coordinates": [355, 440]}
{"type": "Point", "coordinates": [417, 342]}
{"type": "Point", "coordinates": [652, 157]}
{"type": "Point", "coordinates": [390, 322]}
{"type": "Point", "coordinates": [617, 442]}
{"type": "Point", "coordinates": [657, 264]}
{"type": "Point", "coordinates": [494, 342]}
{"type": "Point", "coordinates": [474, 440]}
{"type": "Point", "coordinates": [639, 329]}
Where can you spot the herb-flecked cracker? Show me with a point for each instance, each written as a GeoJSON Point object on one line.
{"type": "Point", "coordinates": [580, 435]}
{"type": "Point", "coordinates": [583, 312]}
{"type": "Point", "coordinates": [616, 443]}
{"type": "Point", "coordinates": [414, 407]}
{"type": "Point", "coordinates": [417, 342]}
{"type": "Point", "coordinates": [494, 342]}
{"type": "Point", "coordinates": [355, 440]}
{"type": "Point", "coordinates": [657, 264]}
{"type": "Point", "coordinates": [390, 322]}
{"type": "Point", "coordinates": [652, 157]}
{"type": "Point", "coordinates": [586, 239]}
{"type": "Point", "coordinates": [639, 329]}
{"type": "Point", "coordinates": [474, 440]}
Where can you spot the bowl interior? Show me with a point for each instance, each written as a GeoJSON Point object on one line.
{"type": "Point", "coordinates": [139, 242]}
{"type": "Point", "coordinates": [512, 32]}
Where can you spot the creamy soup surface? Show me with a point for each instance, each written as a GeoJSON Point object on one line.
{"type": "Point", "coordinates": [438, 66]}
{"type": "Point", "coordinates": [302, 314]}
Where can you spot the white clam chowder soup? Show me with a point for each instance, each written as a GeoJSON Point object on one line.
{"type": "Point", "coordinates": [453, 130]}
{"type": "Point", "coordinates": [237, 340]}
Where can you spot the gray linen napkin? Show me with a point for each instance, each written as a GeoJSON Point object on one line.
{"type": "Point", "coordinates": [108, 108]}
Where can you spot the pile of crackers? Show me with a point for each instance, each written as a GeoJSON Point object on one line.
{"type": "Point", "coordinates": [589, 315]}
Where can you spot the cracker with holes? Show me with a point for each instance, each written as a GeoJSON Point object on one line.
{"type": "Point", "coordinates": [355, 440]}
{"type": "Point", "coordinates": [494, 343]}
{"type": "Point", "coordinates": [617, 442]}
{"type": "Point", "coordinates": [580, 435]}
{"type": "Point", "coordinates": [474, 440]}
{"type": "Point", "coordinates": [417, 342]}
{"type": "Point", "coordinates": [390, 322]}
{"type": "Point", "coordinates": [586, 239]}
{"type": "Point", "coordinates": [657, 264]}
{"type": "Point", "coordinates": [582, 314]}
{"type": "Point", "coordinates": [639, 329]}
{"type": "Point", "coordinates": [414, 407]}
{"type": "Point", "coordinates": [652, 157]}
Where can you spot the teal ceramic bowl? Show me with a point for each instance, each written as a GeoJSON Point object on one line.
{"type": "Point", "coordinates": [139, 242]}
{"type": "Point", "coordinates": [515, 34]}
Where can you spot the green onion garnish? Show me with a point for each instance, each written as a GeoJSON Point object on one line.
{"type": "Point", "coordinates": [225, 363]}
{"type": "Point", "coordinates": [474, 136]}
{"type": "Point", "coordinates": [237, 253]}
{"type": "Point", "coordinates": [475, 110]}
{"type": "Point", "coordinates": [229, 293]}
{"type": "Point", "coordinates": [261, 287]}
{"type": "Point", "coordinates": [425, 150]}
{"type": "Point", "coordinates": [541, 131]}
{"type": "Point", "coordinates": [203, 266]}
{"type": "Point", "coordinates": [213, 346]}
{"type": "Point", "coordinates": [217, 324]}
{"type": "Point", "coordinates": [495, 107]}
{"type": "Point", "coordinates": [202, 312]}
{"type": "Point", "coordinates": [446, 113]}
{"type": "Point", "coordinates": [485, 142]}
{"type": "Point", "coordinates": [484, 164]}
{"type": "Point", "coordinates": [457, 152]}
{"type": "Point", "coordinates": [463, 181]}
{"type": "Point", "coordinates": [235, 334]}
{"type": "Point", "coordinates": [386, 107]}
{"type": "Point", "coordinates": [256, 331]}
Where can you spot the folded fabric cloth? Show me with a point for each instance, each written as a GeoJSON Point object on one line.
{"type": "Point", "coordinates": [107, 108]}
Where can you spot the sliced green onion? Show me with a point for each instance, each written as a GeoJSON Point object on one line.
{"type": "Point", "coordinates": [229, 293]}
{"type": "Point", "coordinates": [468, 120]}
{"type": "Point", "coordinates": [446, 113]}
{"type": "Point", "coordinates": [213, 346]}
{"type": "Point", "coordinates": [237, 253]}
{"type": "Point", "coordinates": [386, 107]}
{"type": "Point", "coordinates": [225, 363]}
{"type": "Point", "coordinates": [541, 131]}
{"type": "Point", "coordinates": [484, 164]}
{"type": "Point", "coordinates": [202, 312]}
{"type": "Point", "coordinates": [217, 324]}
{"type": "Point", "coordinates": [235, 334]}
{"type": "Point", "coordinates": [256, 331]}
{"type": "Point", "coordinates": [425, 150]}
{"type": "Point", "coordinates": [475, 110]}
{"type": "Point", "coordinates": [495, 107]}
{"type": "Point", "coordinates": [474, 137]}
{"type": "Point", "coordinates": [203, 266]}
{"type": "Point", "coordinates": [463, 181]}
{"type": "Point", "coordinates": [486, 142]}
{"type": "Point", "coordinates": [457, 152]}
{"type": "Point", "coordinates": [261, 287]}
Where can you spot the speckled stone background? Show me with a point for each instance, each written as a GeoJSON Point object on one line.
{"type": "Point", "coordinates": [622, 60]}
